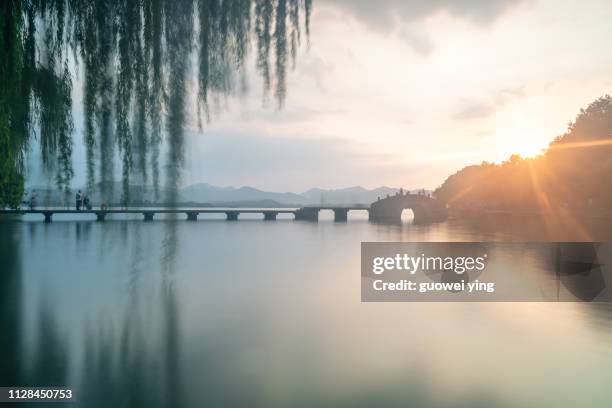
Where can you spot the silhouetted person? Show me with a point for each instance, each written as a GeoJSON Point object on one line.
{"type": "Point", "coordinates": [79, 200]}
{"type": "Point", "coordinates": [33, 200]}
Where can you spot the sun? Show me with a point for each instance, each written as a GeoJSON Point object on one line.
{"type": "Point", "coordinates": [523, 141]}
{"type": "Point", "coordinates": [529, 148]}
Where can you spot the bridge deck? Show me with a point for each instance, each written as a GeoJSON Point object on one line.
{"type": "Point", "coordinates": [201, 210]}
{"type": "Point", "coordinates": [426, 209]}
{"type": "Point", "coordinates": [304, 213]}
{"type": "Point", "coordinates": [206, 210]}
{"type": "Point", "coordinates": [336, 207]}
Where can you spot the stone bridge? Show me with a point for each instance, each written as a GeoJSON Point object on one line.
{"type": "Point", "coordinates": [425, 208]}
{"type": "Point", "coordinates": [389, 209]}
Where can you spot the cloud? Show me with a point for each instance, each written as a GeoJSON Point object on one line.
{"type": "Point", "coordinates": [478, 108]}
{"type": "Point", "coordinates": [504, 95]}
{"type": "Point", "coordinates": [421, 43]}
{"type": "Point", "coordinates": [315, 68]}
{"type": "Point", "coordinates": [473, 109]}
{"type": "Point", "coordinates": [406, 18]}
{"type": "Point", "coordinates": [289, 115]}
{"type": "Point", "coordinates": [384, 14]}
{"type": "Point", "coordinates": [229, 157]}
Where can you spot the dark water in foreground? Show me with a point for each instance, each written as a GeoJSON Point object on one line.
{"type": "Point", "coordinates": [254, 313]}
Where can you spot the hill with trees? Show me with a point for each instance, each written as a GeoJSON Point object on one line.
{"type": "Point", "coordinates": [574, 173]}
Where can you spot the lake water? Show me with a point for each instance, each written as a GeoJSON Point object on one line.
{"type": "Point", "coordinates": [254, 313]}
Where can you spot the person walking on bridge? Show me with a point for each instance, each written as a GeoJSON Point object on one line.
{"type": "Point", "coordinates": [79, 200]}
{"type": "Point", "coordinates": [86, 202]}
{"type": "Point", "coordinates": [32, 200]}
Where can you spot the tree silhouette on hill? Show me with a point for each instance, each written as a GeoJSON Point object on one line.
{"type": "Point", "coordinates": [575, 172]}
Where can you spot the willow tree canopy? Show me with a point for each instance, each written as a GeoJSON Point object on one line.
{"type": "Point", "coordinates": [134, 56]}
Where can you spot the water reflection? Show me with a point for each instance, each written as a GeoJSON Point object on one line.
{"type": "Point", "coordinates": [136, 363]}
{"type": "Point", "coordinates": [10, 306]}
{"type": "Point", "coordinates": [50, 353]}
{"type": "Point", "coordinates": [181, 314]}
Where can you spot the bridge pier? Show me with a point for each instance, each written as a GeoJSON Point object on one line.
{"type": "Point", "coordinates": [148, 215]}
{"type": "Point", "coordinates": [307, 214]}
{"type": "Point", "coordinates": [270, 215]}
{"type": "Point", "coordinates": [340, 214]}
{"type": "Point", "coordinates": [192, 215]}
{"type": "Point", "coordinates": [232, 215]}
{"type": "Point", "coordinates": [48, 215]}
{"type": "Point", "coordinates": [100, 216]}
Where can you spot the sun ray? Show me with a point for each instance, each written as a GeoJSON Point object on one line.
{"type": "Point", "coordinates": [574, 145]}
{"type": "Point", "coordinates": [555, 218]}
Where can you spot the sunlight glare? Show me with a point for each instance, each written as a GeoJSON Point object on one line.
{"type": "Point", "coordinates": [522, 141]}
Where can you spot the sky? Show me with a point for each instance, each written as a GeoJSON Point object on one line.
{"type": "Point", "coordinates": [404, 93]}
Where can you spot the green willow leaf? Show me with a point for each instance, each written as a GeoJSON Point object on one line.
{"type": "Point", "coordinates": [136, 60]}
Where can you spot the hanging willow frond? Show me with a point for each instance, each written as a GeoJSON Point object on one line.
{"type": "Point", "coordinates": [136, 57]}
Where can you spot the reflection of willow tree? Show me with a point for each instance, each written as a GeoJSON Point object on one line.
{"type": "Point", "coordinates": [11, 293]}
{"type": "Point", "coordinates": [172, 346]}
{"type": "Point", "coordinates": [128, 368]}
{"type": "Point", "coordinates": [135, 55]}
{"type": "Point", "coordinates": [50, 365]}
{"type": "Point", "coordinates": [135, 366]}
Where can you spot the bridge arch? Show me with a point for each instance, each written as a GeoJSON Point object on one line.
{"type": "Point", "coordinates": [425, 208]}
{"type": "Point", "coordinates": [407, 215]}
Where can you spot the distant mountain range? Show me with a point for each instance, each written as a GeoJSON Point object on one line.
{"type": "Point", "coordinates": [204, 193]}
{"type": "Point", "coordinates": [353, 195]}
{"type": "Point", "coordinates": [207, 193]}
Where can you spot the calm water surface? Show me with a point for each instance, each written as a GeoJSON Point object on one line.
{"type": "Point", "coordinates": [255, 313]}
